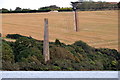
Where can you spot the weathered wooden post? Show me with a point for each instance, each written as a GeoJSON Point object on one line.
{"type": "Point", "coordinates": [74, 4]}
{"type": "Point", "coordinates": [46, 41]}
{"type": "Point", "coordinates": [76, 21]}
{"type": "Point", "coordinates": [119, 28]}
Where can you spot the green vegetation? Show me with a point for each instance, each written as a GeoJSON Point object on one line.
{"type": "Point", "coordinates": [93, 6]}
{"type": "Point", "coordinates": [85, 6]}
{"type": "Point", "coordinates": [26, 54]}
{"type": "Point", "coordinates": [65, 9]}
{"type": "Point", "coordinates": [42, 9]}
{"type": "Point", "coordinates": [15, 36]}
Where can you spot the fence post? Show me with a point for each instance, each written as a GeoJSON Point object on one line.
{"type": "Point", "coordinates": [75, 21]}
{"type": "Point", "coordinates": [46, 41]}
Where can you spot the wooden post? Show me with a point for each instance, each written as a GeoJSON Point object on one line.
{"type": "Point", "coordinates": [46, 41]}
{"type": "Point", "coordinates": [75, 21]}
{"type": "Point", "coordinates": [75, 4]}
{"type": "Point", "coordinates": [119, 27]}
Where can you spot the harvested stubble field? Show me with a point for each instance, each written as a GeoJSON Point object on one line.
{"type": "Point", "coordinates": [97, 28]}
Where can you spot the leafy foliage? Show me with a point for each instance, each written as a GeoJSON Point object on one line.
{"type": "Point", "coordinates": [26, 54]}
{"type": "Point", "coordinates": [65, 9]}
{"type": "Point", "coordinates": [85, 6]}
{"type": "Point", "coordinates": [15, 36]}
{"type": "Point", "coordinates": [93, 6]}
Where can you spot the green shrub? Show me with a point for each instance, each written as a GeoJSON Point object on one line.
{"type": "Point", "coordinates": [15, 36]}
{"type": "Point", "coordinates": [26, 54]}
{"type": "Point", "coordinates": [7, 53]}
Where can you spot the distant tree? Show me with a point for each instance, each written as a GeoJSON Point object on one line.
{"type": "Point", "coordinates": [51, 7]}
{"type": "Point", "coordinates": [18, 9]}
{"type": "Point", "coordinates": [54, 7]}
{"type": "Point", "coordinates": [90, 5]}
{"type": "Point", "coordinates": [4, 10]}
{"type": "Point", "coordinates": [119, 5]}
{"type": "Point", "coordinates": [65, 9]}
{"type": "Point", "coordinates": [26, 10]}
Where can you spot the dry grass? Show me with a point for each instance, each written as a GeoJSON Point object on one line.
{"type": "Point", "coordinates": [97, 28]}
